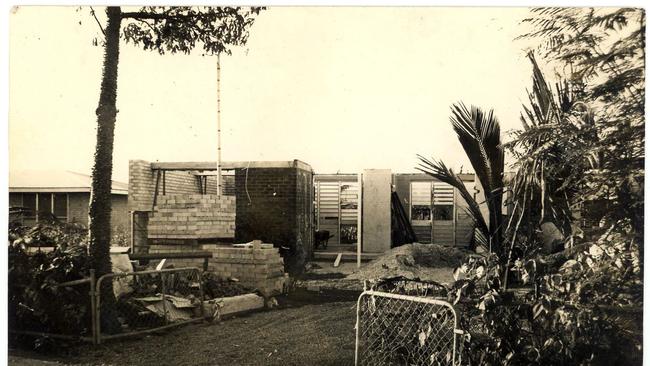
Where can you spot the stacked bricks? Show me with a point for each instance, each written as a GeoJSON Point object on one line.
{"type": "Point", "coordinates": [259, 268]}
{"type": "Point", "coordinates": [255, 267]}
{"type": "Point", "coordinates": [193, 216]}
{"type": "Point", "coordinates": [187, 247]}
{"type": "Point", "coordinates": [142, 184]}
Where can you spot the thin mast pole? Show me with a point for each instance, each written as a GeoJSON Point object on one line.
{"type": "Point", "coordinates": [218, 124]}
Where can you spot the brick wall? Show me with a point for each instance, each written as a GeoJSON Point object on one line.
{"type": "Point", "coordinates": [142, 184]}
{"type": "Point", "coordinates": [257, 268]}
{"type": "Point", "coordinates": [181, 212]}
{"type": "Point", "coordinates": [119, 214]}
{"type": "Point", "coordinates": [192, 216]}
{"type": "Point", "coordinates": [78, 207]}
{"type": "Point", "coordinates": [274, 205]}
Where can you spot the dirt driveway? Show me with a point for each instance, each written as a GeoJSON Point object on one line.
{"type": "Point", "coordinates": [312, 334]}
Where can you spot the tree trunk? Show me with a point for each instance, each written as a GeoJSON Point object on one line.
{"type": "Point", "coordinates": [100, 199]}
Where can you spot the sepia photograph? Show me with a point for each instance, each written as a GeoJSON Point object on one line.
{"type": "Point", "coordinates": [324, 185]}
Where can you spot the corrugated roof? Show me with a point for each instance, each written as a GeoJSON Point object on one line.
{"type": "Point", "coordinates": [56, 181]}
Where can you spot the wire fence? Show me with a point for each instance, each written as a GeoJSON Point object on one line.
{"type": "Point", "coordinates": [144, 302]}
{"type": "Point", "coordinates": [148, 301]}
{"type": "Point", "coordinates": [394, 329]}
{"type": "Point", "coordinates": [68, 306]}
{"type": "Point", "coordinates": [406, 286]}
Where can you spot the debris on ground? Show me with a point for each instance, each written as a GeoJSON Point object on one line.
{"type": "Point", "coordinates": [216, 287]}
{"type": "Point", "coordinates": [414, 261]}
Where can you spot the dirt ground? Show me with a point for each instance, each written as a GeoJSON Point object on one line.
{"type": "Point", "coordinates": [308, 334]}
{"type": "Point", "coordinates": [313, 326]}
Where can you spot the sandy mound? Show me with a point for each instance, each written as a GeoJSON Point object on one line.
{"type": "Point", "coordinates": [429, 262]}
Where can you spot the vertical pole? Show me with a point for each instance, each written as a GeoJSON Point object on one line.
{"type": "Point", "coordinates": [202, 311]}
{"type": "Point", "coordinates": [219, 124]}
{"type": "Point", "coordinates": [132, 231]}
{"type": "Point", "coordinates": [97, 310]}
{"type": "Point", "coordinates": [93, 309]}
{"type": "Point", "coordinates": [339, 208]}
{"type": "Point", "coordinates": [454, 216]}
{"type": "Point", "coordinates": [155, 193]}
{"type": "Point", "coordinates": [163, 290]}
{"type": "Point", "coordinates": [359, 219]}
{"type": "Point", "coordinates": [164, 185]}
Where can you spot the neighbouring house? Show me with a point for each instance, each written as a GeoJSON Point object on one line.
{"type": "Point", "coordinates": [64, 195]}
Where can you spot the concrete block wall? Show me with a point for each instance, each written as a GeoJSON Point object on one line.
{"type": "Point", "coordinates": [262, 269]}
{"type": "Point", "coordinates": [274, 204]}
{"type": "Point", "coordinates": [192, 216]}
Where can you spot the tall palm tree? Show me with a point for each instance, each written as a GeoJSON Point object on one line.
{"type": "Point", "coordinates": [480, 135]}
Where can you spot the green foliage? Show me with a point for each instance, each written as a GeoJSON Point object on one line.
{"type": "Point", "coordinates": [587, 312]}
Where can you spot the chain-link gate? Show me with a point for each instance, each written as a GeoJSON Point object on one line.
{"type": "Point", "coordinates": [394, 329]}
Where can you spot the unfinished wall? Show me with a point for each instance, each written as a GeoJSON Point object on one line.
{"type": "Point", "coordinates": [142, 184]}
{"type": "Point", "coordinates": [181, 212]}
{"type": "Point", "coordinates": [192, 216]}
{"type": "Point", "coordinates": [274, 204]}
{"type": "Point", "coordinates": [260, 269]}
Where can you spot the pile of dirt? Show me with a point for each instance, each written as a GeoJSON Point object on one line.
{"type": "Point", "coordinates": [429, 262]}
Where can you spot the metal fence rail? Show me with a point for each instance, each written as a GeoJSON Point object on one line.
{"type": "Point", "coordinates": [406, 286]}
{"type": "Point", "coordinates": [80, 292]}
{"type": "Point", "coordinates": [154, 300]}
{"type": "Point", "coordinates": [394, 329]}
{"type": "Point", "coordinates": [145, 302]}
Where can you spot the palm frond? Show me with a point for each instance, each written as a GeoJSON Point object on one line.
{"type": "Point", "coordinates": [480, 135]}
{"type": "Point", "coordinates": [440, 171]}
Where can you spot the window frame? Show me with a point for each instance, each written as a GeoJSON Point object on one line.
{"type": "Point", "coordinates": [38, 203]}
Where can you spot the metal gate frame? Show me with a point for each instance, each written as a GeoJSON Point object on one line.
{"type": "Point", "coordinates": [369, 293]}
{"type": "Point", "coordinates": [96, 303]}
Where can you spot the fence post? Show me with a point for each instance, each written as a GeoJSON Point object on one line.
{"type": "Point", "coordinates": [93, 310]}
{"type": "Point", "coordinates": [202, 311]}
{"type": "Point", "coordinates": [163, 290]}
{"type": "Point", "coordinates": [97, 311]}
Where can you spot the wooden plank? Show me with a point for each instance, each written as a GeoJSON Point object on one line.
{"type": "Point", "coordinates": [177, 255]}
{"type": "Point", "coordinates": [337, 261]}
{"type": "Point", "coordinates": [233, 305]}
{"type": "Point", "coordinates": [155, 193]}
{"type": "Point", "coordinates": [228, 165]}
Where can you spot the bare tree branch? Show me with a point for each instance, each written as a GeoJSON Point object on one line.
{"type": "Point", "coordinates": [92, 12]}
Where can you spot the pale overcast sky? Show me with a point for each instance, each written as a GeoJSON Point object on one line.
{"type": "Point", "coordinates": [342, 89]}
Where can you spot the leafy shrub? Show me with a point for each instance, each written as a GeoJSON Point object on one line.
{"type": "Point", "coordinates": [587, 311]}
{"type": "Point", "coordinates": [35, 304]}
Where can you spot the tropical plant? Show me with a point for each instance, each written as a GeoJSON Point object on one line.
{"type": "Point", "coordinates": [479, 134]}
{"type": "Point", "coordinates": [555, 157]}
{"type": "Point", "coordinates": [587, 311]}
{"type": "Point", "coordinates": [602, 51]}
{"type": "Point", "coordinates": [163, 29]}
